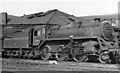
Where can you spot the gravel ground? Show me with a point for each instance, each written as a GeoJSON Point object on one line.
{"type": "Point", "coordinates": [39, 65]}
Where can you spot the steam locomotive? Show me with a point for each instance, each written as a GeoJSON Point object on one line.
{"type": "Point", "coordinates": [79, 41]}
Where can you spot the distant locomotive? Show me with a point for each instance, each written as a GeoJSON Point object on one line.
{"type": "Point", "coordinates": [77, 40]}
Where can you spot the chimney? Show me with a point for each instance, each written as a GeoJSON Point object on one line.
{"type": "Point", "coordinates": [4, 18]}
{"type": "Point", "coordinates": [97, 19]}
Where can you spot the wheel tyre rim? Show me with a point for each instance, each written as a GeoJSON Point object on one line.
{"type": "Point", "coordinates": [80, 58]}
{"type": "Point", "coordinates": [61, 56]}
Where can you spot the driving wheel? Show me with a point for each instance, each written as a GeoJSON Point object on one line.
{"type": "Point", "coordinates": [45, 55]}
{"type": "Point", "coordinates": [61, 55]}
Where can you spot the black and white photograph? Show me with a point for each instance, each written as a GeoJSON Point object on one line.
{"type": "Point", "coordinates": [61, 36]}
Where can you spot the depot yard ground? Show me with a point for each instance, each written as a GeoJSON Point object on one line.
{"type": "Point", "coordinates": [40, 65]}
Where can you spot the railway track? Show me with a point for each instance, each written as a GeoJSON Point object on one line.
{"type": "Point", "coordinates": [40, 65]}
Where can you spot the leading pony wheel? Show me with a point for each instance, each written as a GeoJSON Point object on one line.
{"type": "Point", "coordinates": [104, 57]}
{"type": "Point", "coordinates": [45, 55]}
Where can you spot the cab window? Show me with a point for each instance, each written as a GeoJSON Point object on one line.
{"type": "Point", "coordinates": [43, 31]}
{"type": "Point", "coordinates": [37, 33]}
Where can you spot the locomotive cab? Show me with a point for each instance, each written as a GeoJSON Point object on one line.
{"type": "Point", "coordinates": [36, 34]}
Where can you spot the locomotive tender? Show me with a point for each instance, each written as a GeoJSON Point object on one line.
{"type": "Point", "coordinates": [78, 40]}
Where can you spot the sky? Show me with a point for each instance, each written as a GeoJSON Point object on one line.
{"type": "Point", "coordinates": [73, 7]}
